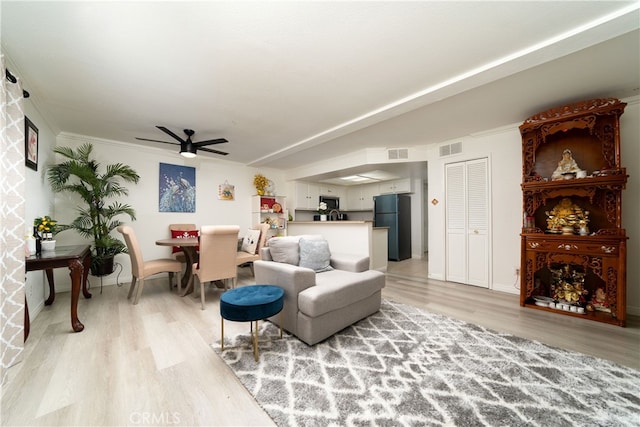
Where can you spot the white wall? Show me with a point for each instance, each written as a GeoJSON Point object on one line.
{"type": "Point", "coordinates": [503, 149]}
{"type": "Point", "coordinates": [630, 148]}
{"type": "Point", "coordinates": [151, 224]}
{"type": "Point", "coordinates": [417, 224]}
{"type": "Point", "coordinates": [38, 202]}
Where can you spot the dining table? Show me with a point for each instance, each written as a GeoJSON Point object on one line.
{"type": "Point", "coordinates": [77, 258]}
{"type": "Point", "coordinates": [188, 246]}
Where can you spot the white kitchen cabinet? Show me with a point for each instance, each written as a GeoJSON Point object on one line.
{"type": "Point", "coordinates": [328, 190]}
{"type": "Point", "coordinates": [360, 197]}
{"type": "Point", "coordinates": [397, 186]}
{"type": "Point", "coordinates": [307, 196]}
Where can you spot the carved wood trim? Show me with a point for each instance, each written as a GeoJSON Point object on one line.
{"type": "Point", "coordinates": [596, 266]}
{"type": "Point", "coordinates": [554, 258]}
{"type": "Point", "coordinates": [587, 122]}
{"type": "Point", "coordinates": [541, 260]}
{"type": "Point", "coordinates": [607, 135]}
{"type": "Point", "coordinates": [612, 289]}
{"type": "Point", "coordinates": [593, 106]}
{"type": "Point", "coordinates": [529, 279]}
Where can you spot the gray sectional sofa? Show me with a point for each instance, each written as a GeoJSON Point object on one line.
{"type": "Point", "coordinates": [324, 292]}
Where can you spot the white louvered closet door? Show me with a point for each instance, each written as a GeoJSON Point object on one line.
{"type": "Point", "coordinates": [467, 240]}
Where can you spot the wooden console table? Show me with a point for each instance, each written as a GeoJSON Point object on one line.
{"type": "Point", "coordinates": [77, 259]}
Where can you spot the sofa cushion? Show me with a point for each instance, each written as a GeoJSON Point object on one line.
{"type": "Point", "coordinates": [285, 249]}
{"type": "Point", "coordinates": [348, 262]}
{"type": "Point", "coordinates": [315, 254]}
{"type": "Point", "coordinates": [336, 289]}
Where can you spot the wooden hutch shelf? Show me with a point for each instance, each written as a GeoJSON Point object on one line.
{"type": "Point", "coordinates": [583, 263]}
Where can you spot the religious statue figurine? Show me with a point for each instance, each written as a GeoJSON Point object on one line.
{"type": "Point", "coordinates": [565, 166]}
{"type": "Point", "coordinates": [566, 214]}
{"type": "Point", "coordinates": [599, 300]}
{"type": "Point", "coordinates": [568, 285]}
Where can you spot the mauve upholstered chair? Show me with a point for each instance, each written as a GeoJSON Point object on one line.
{"type": "Point", "coordinates": [141, 269]}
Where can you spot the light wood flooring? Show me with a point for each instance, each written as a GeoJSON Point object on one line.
{"type": "Point", "coordinates": [152, 364]}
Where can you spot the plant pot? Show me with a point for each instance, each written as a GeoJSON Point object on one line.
{"type": "Point", "coordinates": [323, 217]}
{"type": "Point", "coordinates": [101, 266]}
{"type": "Point", "coordinates": [48, 245]}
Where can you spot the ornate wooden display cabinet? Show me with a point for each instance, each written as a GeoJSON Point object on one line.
{"type": "Point", "coordinates": [572, 241]}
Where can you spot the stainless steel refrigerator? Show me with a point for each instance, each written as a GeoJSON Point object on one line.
{"type": "Point", "coordinates": [394, 211]}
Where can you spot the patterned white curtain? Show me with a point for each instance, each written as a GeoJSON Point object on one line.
{"type": "Point", "coordinates": [12, 186]}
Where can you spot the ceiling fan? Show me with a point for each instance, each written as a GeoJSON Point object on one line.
{"type": "Point", "coordinates": [188, 148]}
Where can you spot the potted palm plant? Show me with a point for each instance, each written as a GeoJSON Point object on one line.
{"type": "Point", "coordinates": [80, 174]}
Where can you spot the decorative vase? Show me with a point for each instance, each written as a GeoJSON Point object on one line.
{"type": "Point", "coordinates": [260, 192]}
{"type": "Point", "coordinates": [48, 245]}
{"type": "Point", "coordinates": [323, 217]}
{"type": "Point", "coordinates": [567, 230]}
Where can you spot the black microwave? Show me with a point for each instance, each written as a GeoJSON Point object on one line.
{"type": "Point", "coordinates": [331, 201]}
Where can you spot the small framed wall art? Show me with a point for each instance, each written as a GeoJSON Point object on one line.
{"type": "Point", "coordinates": [30, 144]}
{"type": "Point", "coordinates": [226, 191]}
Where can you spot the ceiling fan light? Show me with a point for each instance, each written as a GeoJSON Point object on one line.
{"type": "Point", "coordinates": [187, 150]}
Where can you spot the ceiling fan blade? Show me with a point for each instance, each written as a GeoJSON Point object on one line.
{"type": "Point", "coordinates": [168, 132]}
{"type": "Point", "coordinates": [222, 153]}
{"type": "Point", "coordinates": [210, 142]}
{"type": "Point", "coordinates": [155, 140]}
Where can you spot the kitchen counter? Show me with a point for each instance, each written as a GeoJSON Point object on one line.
{"type": "Point", "coordinates": [329, 222]}
{"type": "Point", "coordinates": [349, 237]}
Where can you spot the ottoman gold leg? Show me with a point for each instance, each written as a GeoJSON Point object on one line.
{"type": "Point", "coordinates": [254, 337]}
{"type": "Point", "coordinates": [222, 334]}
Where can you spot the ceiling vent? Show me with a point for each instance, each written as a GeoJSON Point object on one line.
{"type": "Point", "coordinates": [451, 149]}
{"type": "Point", "coordinates": [398, 154]}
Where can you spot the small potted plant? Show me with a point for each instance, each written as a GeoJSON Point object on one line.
{"type": "Point", "coordinates": [322, 210]}
{"type": "Point", "coordinates": [47, 228]}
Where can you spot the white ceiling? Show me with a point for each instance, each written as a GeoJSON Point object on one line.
{"type": "Point", "coordinates": [292, 83]}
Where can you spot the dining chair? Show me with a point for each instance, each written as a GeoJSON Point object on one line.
{"type": "Point", "coordinates": [141, 269]}
{"type": "Point", "coordinates": [175, 230]}
{"type": "Point", "coordinates": [218, 248]}
{"type": "Point", "coordinates": [248, 255]}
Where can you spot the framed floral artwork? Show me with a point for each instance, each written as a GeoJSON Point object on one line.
{"type": "Point", "coordinates": [30, 144]}
{"type": "Point", "coordinates": [177, 188]}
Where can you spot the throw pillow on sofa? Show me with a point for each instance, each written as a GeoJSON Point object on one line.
{"type": "Point", "coordinates": [250, 241]}
{"type": "Point", "coordinates": [315, 254]}
{"type": "Point", "coordinates": [284, 249]}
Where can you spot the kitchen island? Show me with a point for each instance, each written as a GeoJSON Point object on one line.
{"type": "Point", "coordinates": [349, 237]}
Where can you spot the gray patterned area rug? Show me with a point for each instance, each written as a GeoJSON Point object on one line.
{"type": "Point", "coordinates": [407, 367]}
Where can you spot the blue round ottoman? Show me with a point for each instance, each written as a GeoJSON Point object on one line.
{"type": "Point", "coordinates": [248, 304]}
